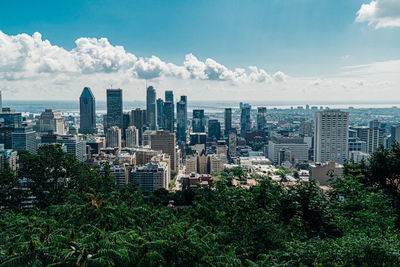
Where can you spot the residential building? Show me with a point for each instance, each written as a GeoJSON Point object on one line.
{"type": "Point", "coordinates": [132, 137]}
{"type": "Point", "coordinates": [113, 137]}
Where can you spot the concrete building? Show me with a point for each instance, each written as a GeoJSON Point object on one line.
{"type": "Point", "coordinates": [114, 109]}
{"type": "Point", "coordinates": [324, 172]}
{"type": "Point", "coordinates": [216, 163]}
{"type": "Point", "coordinates": [375, 136]}
{"type": "Point", "coordinates": [331, 136]}
{"type": "Point", "coordinates": [51, 121]}
{"type": "Point", "coordinates": [358, 156]}
{"type": "Point", "coordinates": [113, 137]}
{"type": "Point", "coordinates": [191, 164]}
{"type": "Point", "coordinates": [87, 112]}
{"type": "Point", "coordinates": [232, 143]}
{"type": "Point", "coordinates": [10, 118]}
{"type": "Point", "coordinates": [297, 147]}
{"type": "Point", "coordinates": [74, 146]}
{"type": "Point", "coordinates": [151, 177]}
{"type": "Point", "coordinates": [165, 142]}
{"type": "Point", "coordinates": [8, 157]}
{"type": "Point", "coordinates": [138, 119]}
{"type": "Point", "coordinates": [132, 136]}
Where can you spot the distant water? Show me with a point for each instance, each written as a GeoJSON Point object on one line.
{"type": "Point", "coordinates": [68, 106]}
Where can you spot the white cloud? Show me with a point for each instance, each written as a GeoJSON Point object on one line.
{"type": "Point", "coordinates": [380, 13]}
{"type": "Point", "coordinates": [24, 56]}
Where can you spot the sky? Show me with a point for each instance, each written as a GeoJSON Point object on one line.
{"type": "Point", "coordinates": [272, 50]}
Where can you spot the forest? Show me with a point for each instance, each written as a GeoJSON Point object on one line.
{"type": "Point", "coordinates": [67, 214]}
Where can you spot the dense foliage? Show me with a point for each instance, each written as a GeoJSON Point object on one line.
{"type": "Point", "coordinates": [83, 220]}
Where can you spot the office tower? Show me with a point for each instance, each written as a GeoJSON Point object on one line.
{"type": "Point", "coordinates": [395, 134]}
{"type": "Point", "coordinates": [24, 138]}
{"type": "Point", "coordinates": [245, 120]}
{"type": "Point", "coordinates": [331, 136]}
{"type": "Point", "coordinates": [126, 122]}
{"type": "Point", "coordinates": [165, 142]}
{"type": "Point", "coordinates": [9, 157]}
{"type": "Point", "coordinates": [1, 101]}
{"type": "Point", "coordinates": [151, 177]}
{"type": "Point", "coordinates": [198, 121]}
{"type": "Point", "coordinates": [214, 129]}
{"type": "Point", "coordinates": [228, 121]}
{"type": "Point", "coordinates": [261, 118]}
{"type": "Point", "coordinates": [198, 139]}
{"type": "Point", "coordinates": [132, 136]}
{"type": "Point", "coordinates": [151, 108]}
{"type": "Point", "coordinates": [169, 116]}
{"type": "Point", "coordinates": [160, 113]}
{"type": "Point", "coordinates": [113, 137]}
{"type": "Point", "coordinates": [87, 109]}
{"type": "Point", "coordinates": [138, 119]}
{"type": "Point", "coordinates": [9, 117]}
{"type": "Point", "coordinates": [232, 143]}
{"type": "Point", "coordinates": [51, 121]}
{"type": "Point", "coordinates": [181, 118]}
{"type": "Point", "coordinates": [74, 146]}
{"type": "Point", "coordinates": [6, 135]}
{"type": "Point", "coordinates": [169, 96]}
{"type": "Point", "coordinates": [295, 145]}
{"type": "Point", "coordinates": [114, 109]}
{"type": "Point", "coordinates": [375, 136]}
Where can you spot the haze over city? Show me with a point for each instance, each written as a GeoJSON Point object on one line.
{"type": "Point", "coordinates": [289, 51]}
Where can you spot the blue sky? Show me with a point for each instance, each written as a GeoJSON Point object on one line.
{"type": "Point", "coordinates": [304, 37]}
{"type": "Point", "coordinates": [301, 38]}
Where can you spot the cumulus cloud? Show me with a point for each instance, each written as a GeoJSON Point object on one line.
{"type": "Point", "coordinates": [380, 13]}
{"type": "Point", "coordinates": [23, 56]}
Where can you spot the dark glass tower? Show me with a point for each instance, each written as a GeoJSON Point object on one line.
{"type": "Point", "coordinates": [228, 121]}
{"type": "Point", "coordinates": [181, 118]}
{"type": "Point", "coordinates": [114, 108]}
{"type": "Point", "coordinates": [87, 108]}
{"type": "Point", "coordinates": [261, 118]}
{"type": "Point", "coordinates": [160, 113]}
{"type": "Point", "coordinates": [214, 129]}
{"type": "Point", "coordinates": [169, 116]}
{"type": "Point", "coordinates": [245, 120]}
{"type": "Point", "coordinates": [151, 108]}
{"type": "Point", "coordinates": [198, 121]}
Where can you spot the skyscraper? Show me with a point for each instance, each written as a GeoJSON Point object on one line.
{"type": "Point", "coordinates": [132, 136]}
{"type": "Point", "coordinates": [24, 138]}
{"type": "Point", "coordinates": [395, 134]}
{"type": "Point", "coordinates": [181, 118]}
{"type": "Point", "coordinates": [198, 121]}
{"type": "Point", "coordinates": [151, 108]}
{"type": "Point", "coordinates": [113, 137]}
{"type": "Point", "coordinates": [114, 109]}
{"type": "Point", "coordinates": [138, 119]}
{"type": "Point", "coordinates": [51, 120]}
{"type": "Point", "coordinates": [214, 129]}
{"type": "Point", "coordinates": [169, 96]}
{"type": "Point", "coordinates": [160, 113]}
{"type": "Point", "coordinates": [245, 120]}
{"type": "Point", "coordinates": [169, 116]}
{"type": "Point", "coordinates": [375, 136]}
{"type": "Point", "coordinates": [331, 135]}
{"type": "Point", "coordinates": [165, 141]}
{"type": "Point", "coordinates": [87, 108]}
{"type": "Point", "coordinates": [228, 121]}
{"type": "Point", "coordinates": [261, 118]}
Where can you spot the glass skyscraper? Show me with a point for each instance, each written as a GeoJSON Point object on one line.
{"type": "Point", "coordinates": [151, 108]}
{"type": "Point", "coordinates": [114, 108]}
{"type": "Point", "coordinates": [87, 107]}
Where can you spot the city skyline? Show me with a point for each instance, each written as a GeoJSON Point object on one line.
{"type": "Point", "coordinates": [342, 50]}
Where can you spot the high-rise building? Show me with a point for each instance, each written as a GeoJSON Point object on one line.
{"type": "Point", "coordinates": [169, 96]}
{"type": "Point", "coordinates": [331, 135]}
{"type": "Point", "coordinates": [228, 121]}
{"type": "Point", "coordinates": [9, 117]}
{"type": "Point", "coordinates": [114, 108]}
{"type": "Point", "coordinates": [113, 137]}
{"type": "Point", "coordinates": [198, 139]}
{"type": "Point", "coordinates": [8, 157]}
{"type": "Point", "coordinates": [165, 142]}
{"type": "Point", "coordinates": [296, 145]}
{"type": "Point", "coordinates": [51, 121]}
{"type": "Point", "coordinates": [169, 116]}
{"type": "Point", "coordinates": [395, 134]}
{"type": "Point", "coordinates": [198, 121]}
{"type": "Point", "coordinates": [138, 119]}
{"type": "Point", "coordinates": [24, 138]}
{"type": "Point", "coordinates": [160, 113]}
{"type": "Point", "coordinates": [74, 146]}
{"type": "Point", "coordinates": [375, 136]}
{"type": "Point", "coordinates": [214, 129]}
{"type": "Point", "coordinates": [87, 108]}
{"type": "Point", "coordinates": [232, 143]}
{"type": "Point", "coordinates": [151, 177]}
{"type": "Point", "coordinates": [245, 120]}
{"type": "Point", "coordinates": [151, 108]}
{"type": "Point", "coordinates": [261, 118]}
{"type": "Point", "coordinates": [181, 117]}
{"type": "Point", "coordinates": [132, 137]}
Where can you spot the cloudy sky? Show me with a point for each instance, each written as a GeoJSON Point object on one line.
{"type": "Point", "coordinates": [272, 50]}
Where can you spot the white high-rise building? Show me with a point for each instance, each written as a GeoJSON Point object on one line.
{"type": "Point", "coordinates": [132, 136]}
{"type": "Point", "coordinates": [331, 135]}
{"type": "Point", "coordinates": [113, 137]}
